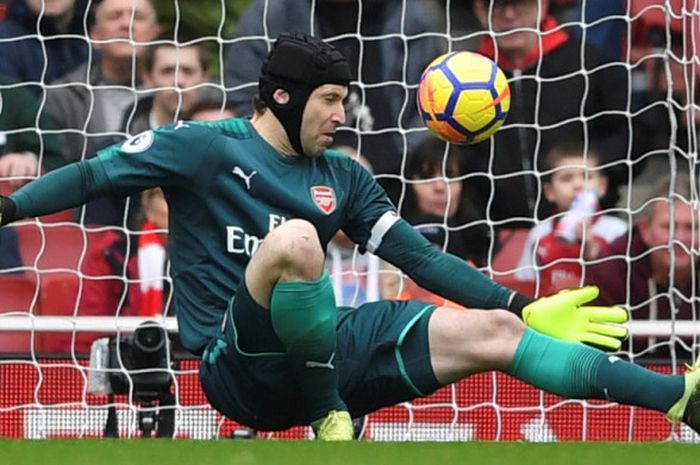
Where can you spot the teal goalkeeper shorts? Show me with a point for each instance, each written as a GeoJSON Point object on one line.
{"type": "Point", "coordinates": [382, 359]}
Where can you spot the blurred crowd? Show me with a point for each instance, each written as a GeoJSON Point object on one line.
{"type": "Point", "coordinates": [589, 181]}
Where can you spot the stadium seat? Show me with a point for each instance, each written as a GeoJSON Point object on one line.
{"type": "Point", "coordinates": [512, 242]}
{"type": "Point", "coordinates": [651, 13]}
{"type": "Point", "coordinates": [54, 245]}
{"type": "Point", "coordinates": [63, 216]}
{"type": "Point", "coordinates": [18, 294]}
{"type": "Point", "coordinates": [59, 295]}
{"type": "Point", "coordinates": [528, 288]}
{"type": "Point", "coordinates": [648, 31]}
{"type": "Point", "coordinates": [56, 252]}
{"type": "Point", "coordinates": [506, 261]}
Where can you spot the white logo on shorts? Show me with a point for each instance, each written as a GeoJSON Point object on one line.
{"type": "Point", "coordinates": [328, 364]}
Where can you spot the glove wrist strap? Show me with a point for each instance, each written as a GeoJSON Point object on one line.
{"type": "Point", "coordinates": [517, 302]}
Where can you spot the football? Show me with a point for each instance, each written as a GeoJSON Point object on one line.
{"type": "Point", "coordinates": [463, 97]}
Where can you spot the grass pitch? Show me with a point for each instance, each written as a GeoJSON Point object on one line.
{"type": "Point", "coordinates": [244, 452]}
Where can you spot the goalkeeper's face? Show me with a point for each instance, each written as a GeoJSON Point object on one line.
{"type": "Point", "coordinates": [323, 113]}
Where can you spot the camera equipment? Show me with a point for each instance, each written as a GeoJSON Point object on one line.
{"type": "Point", "coordinates": [140, 367]}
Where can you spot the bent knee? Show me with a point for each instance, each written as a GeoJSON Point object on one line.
{"type": "Point", "coordinates": [502, 324]}
{"type": "Point", "coordinates": [295, 245]}
{"type": "Point", "coordinates": [293, 228]}
{"type": "Point", "coordinates": [295, 239]}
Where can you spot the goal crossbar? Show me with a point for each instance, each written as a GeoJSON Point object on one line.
{"type": "Point", "coordinates": [60, 324]}
{"type": "Point", "coordinates": [127, 324]}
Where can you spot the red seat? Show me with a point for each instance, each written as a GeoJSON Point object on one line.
{"type": "Point", "coordinates": [652, 13]}
{"type": "Point", "coordinates": [512, 242]}
{"type": "Point", "coordinates": [17, 294]}
{"type": "Point", "coordinates": [56, 253]}
{"type": "Point", "coordinates": [48, 246]}
{"type": "Point", "coordinates": [59, 296]}
{"type": "Point", "coordinates": [528, 288]}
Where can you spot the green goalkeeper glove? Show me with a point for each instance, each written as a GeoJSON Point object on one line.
{"type": "Point", "coordinates": [563, 316]}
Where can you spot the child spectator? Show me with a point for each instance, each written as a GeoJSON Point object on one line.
{"type": "Point", "coordinates": [557, 246]}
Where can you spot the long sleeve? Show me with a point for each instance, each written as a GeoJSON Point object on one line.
{"type": "Point", "coordinates": [63, 188]}
{"type": "Point", "coordinates": [439, 272]}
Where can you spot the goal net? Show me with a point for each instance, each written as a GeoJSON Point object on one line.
{"type": "Point", "coordinates": [69, 334]}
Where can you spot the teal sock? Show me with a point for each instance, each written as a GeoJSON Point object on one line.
{"type": "Point", "coordinates": [304, 317]}
{"type": "Point", "coordinates": [577, 371]}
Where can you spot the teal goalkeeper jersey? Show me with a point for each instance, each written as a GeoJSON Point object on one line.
{"type": "Point", "coordinates": [226, 189]}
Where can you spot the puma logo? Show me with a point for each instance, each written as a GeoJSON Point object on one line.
{"type": "Point", "coordinates": [181, 124]}
{"type": "Point", "coordinates": [245, 177]}
{"type": "Point", "coordinates": [328, 364]}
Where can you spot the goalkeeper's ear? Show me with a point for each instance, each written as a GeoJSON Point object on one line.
{"type": "Point", "coordinates": [518, 301]}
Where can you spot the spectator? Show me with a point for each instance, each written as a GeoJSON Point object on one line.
{"type": "Point", "coordinates": [212, 105]}
{"type": "Point", "coordinates": [605, 24]}
{"type": "Point", "coordinates": [119, 258]}
{"type": "Point", "coordinates": [9, 249]}
{"type": "Point", "coordinates": [22, 152]}
{"type": "Point", "coordinates": [152, 243]}
{"type": "Point", "coordinates": [381, 103]}
{"type": "Point", "coordinates": [91, 101]}
{"type": "Point", "coordinates": [170, 71]}
{"type": "Point", "coordinates": [654, 274]}
{"type": "Point", "coordinates": [436, 188]}
{"type": "Point", "coordinates": [571, 174]}
{"type": "Point", "coordinates": [22, 149]}
{"type": "Point", "coordinates": [35, 47]}
{"type": "Point", "coordinates": [557, 85]}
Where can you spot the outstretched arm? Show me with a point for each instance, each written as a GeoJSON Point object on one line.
{"type": "Point", "coordinates": [58, 190]}
{"type": "Point", "coordinates": [169, 156]}
{"type": "Point", "coordinates": [563, 315]}
{"type": "Point", "coordinates": [439, 272]}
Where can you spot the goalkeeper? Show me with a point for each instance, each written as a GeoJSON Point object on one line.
{"type": "Point", "coordinates": [276, 352]}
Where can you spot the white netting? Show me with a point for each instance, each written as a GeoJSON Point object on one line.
{"type": "Point", "coordinates": [46, 334]}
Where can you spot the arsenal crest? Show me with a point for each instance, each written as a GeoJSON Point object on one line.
{"type": "Point", "coordinates": [324, 198]}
